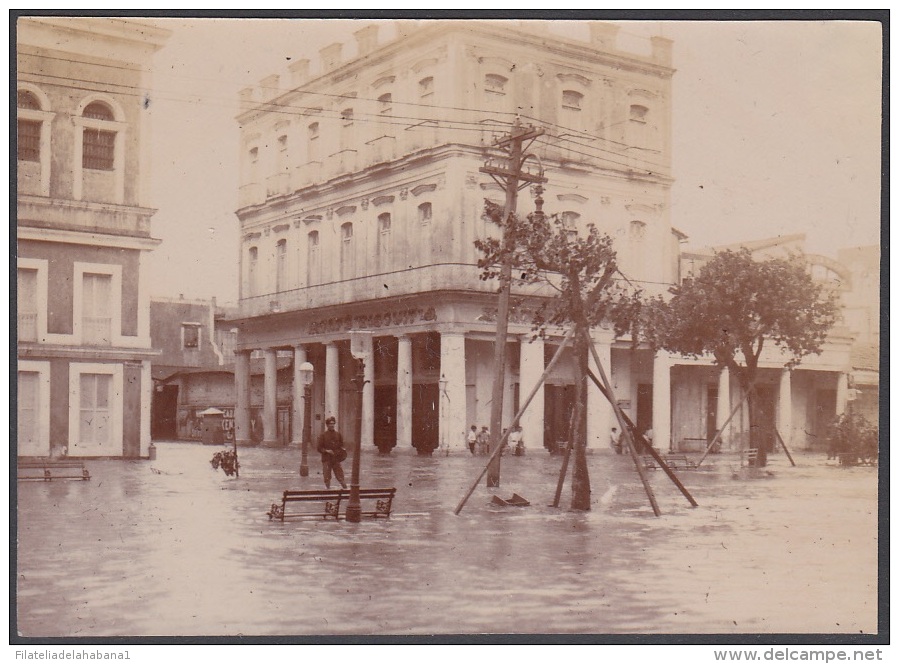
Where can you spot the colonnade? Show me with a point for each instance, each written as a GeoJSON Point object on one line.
{"type": "Point", "coordinates": [453, 420]}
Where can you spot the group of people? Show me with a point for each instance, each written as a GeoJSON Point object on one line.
{"type": "Point", "coordinates": [331, 447]}
{"type": "Point", "coordinates": [479, 441]}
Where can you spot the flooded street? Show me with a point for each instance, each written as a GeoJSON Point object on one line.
{"type": "Point", "coordinates": [172, 547]}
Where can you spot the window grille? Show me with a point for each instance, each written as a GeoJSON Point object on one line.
{"type": "Point", "coordinates": [29, 140]}
{"type": "Point", "coordinates": [99, 150]}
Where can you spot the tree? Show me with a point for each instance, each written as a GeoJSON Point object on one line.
{"type": "Point", "coordinates": [736, 306]}
{"type": "Point", "coordinates": [579, 270]}
{"type": "Point", "coordinates": [851, 439]}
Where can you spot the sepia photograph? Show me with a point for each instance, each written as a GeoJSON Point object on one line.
{"type": "Point", "coordinates": [442, 329]}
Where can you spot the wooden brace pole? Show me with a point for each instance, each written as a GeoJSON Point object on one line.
{"type": "Point", "coordinates": [625, 431]}
{"type": "Point", "coordinates": [527, 402]}
{"type": "Point", "coordinates": [655, 455]}
{"type": "Point", "coordinates": [721, 429]}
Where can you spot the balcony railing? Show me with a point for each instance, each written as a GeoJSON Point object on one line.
{"type": "Point", "coordinates": [426, 279]}
{"type": "Point", "coordinates": [96, 331]}
{"type": "Point", "coordinates": [27, 330]}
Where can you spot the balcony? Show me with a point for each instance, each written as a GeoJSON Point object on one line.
{"type": "Point", "coordinates": [426, 279]}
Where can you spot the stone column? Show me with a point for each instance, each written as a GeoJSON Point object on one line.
{"type": "Point", "coordinates": [146, 396]}
{"type": "Point", "coordinates": [723, 411]}
{"type": "Point", "coordinates": [404, 392]}
{"type": "Point", "coordinates": [332, 381]}
{"type": "Point", "coordinates": [661, 401]}
{"type": "Point", "coordinates": [270, 398]}
{"type": "Point", "coordinates": [785, 407]}
{"type": "Point", "coordinates": [242, 402]}
{"type": "Point", "coordinates": [452, 385]}
{"type": "Point", "coordinates": [530, 369]}
{"type": "Point", "coordinates": [599, 411]}
{"type": "Point", "coordinates": [368, 405]}
{"type": "Point", "coordinates": [299, 407]}
{"type": "Point", "coordinates": [842, 393]}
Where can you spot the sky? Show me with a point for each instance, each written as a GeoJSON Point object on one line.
{"type": "Point", "coordinates": [776, 131]}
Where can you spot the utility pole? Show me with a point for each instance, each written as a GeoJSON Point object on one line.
{"type": "Point", "coordinates": [509, 177]}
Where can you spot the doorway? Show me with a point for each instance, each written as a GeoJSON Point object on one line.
{"type": "Point", "coordinates": [164, 419]}
{"type": "Point", "coordinates": [385, 417]}
{"type": "Point", "coordinates": [644, 407]}
{"type": "Point", "coordinates": [425, 417]}
{"type": "Point", "coordinates": [558, 406]}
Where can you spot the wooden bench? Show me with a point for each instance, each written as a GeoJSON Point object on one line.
{"type": "Point", "coordinates": [52, 470]}
{"type": "Point", "coordinates": [327, 503]}
{"type": "Point", "coordinates": [674, 461]}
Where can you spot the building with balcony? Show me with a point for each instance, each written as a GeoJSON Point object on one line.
{"type": "Point", "coordinates": [361, 198]}
{"type": "Point", "coordinates": [83, 232]}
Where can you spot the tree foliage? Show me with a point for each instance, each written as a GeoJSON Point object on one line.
{"type": "Point", "coordinates": [736, 305]}
{"type": "Point", "coordinates": [578, 267]}
{"type": "Point", "coordinates": [851, 438]}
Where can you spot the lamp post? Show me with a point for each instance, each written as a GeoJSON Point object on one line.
{"type": "Point", "coordinates": [307, 372]}
{"type": "Point", "coordinates": [360, 347]}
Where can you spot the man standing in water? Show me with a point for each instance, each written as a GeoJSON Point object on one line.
{"type": "Point", "coordinates": [330, 445]}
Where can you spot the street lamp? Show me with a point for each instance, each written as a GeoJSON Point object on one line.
{"type": "Point", "coordinates": [360, 347]}
{"type": "Point", "coordinates": [307, 372]}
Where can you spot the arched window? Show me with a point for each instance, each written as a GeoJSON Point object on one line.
{"type": "Point", "coordinates": [637, 230]}
{"type": "Point", "coordinates": [346, 135]}
{"type": "Point", "coordinates": [384, 223]}
{"type": "Point", "coordinates": [424, 214]}
{"type": "Point", "coordinates": [281, 266]}
{"type": "Point", "coordinates": [639, 256]}
{"type": "Point", "coordinates": [252, 270]}
{"type": "Point", "coordinates": [33, 121]}
{"type": "Point", "coordinates": [282, 152]}
{"type": "Point", "coordinates": [638, 113]}
{"type": "Point", "coordinates": [312, 142]}
{"type": "Point", "coordinates": [385, 104]}
{"type": "Point", "coordinates": [347, 252]}
{"type": "Point", "coordinates": [572, 100]}
{"type": "Point", "coordinates": [28, 131]}
{"type": "Point", "coordinates": [98, 149]}
{"type": "Point", "coordinates": [495, 84]}
{"type": "Point", "coordinates": [27, 99]}
{"type": "Point", "coordinates": [426, 88]}
{"type": "Point", "coordinates": [570, 221]}
{"type": "Point", "coordinates": [313, 259]}
{"type": "Point", "coordinates": [638, 125]}
{"type": "Point", "coordinates": [98, 111]}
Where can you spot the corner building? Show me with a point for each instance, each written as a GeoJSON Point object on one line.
{"type": "Point", "coordinates": [82, 234]}
{"type": "Point", "coordinates": [361, 198]}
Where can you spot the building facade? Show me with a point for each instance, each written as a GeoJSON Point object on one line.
{"type": "Point", "coordinates": [195, 366]}
{"type": "Point", "coordinates": [361, 199]}
{"type": "Point", "coordinates": [83, 233]}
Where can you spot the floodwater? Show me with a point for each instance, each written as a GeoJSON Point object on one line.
{"type": "Point", "coordinates": [172, 547]}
